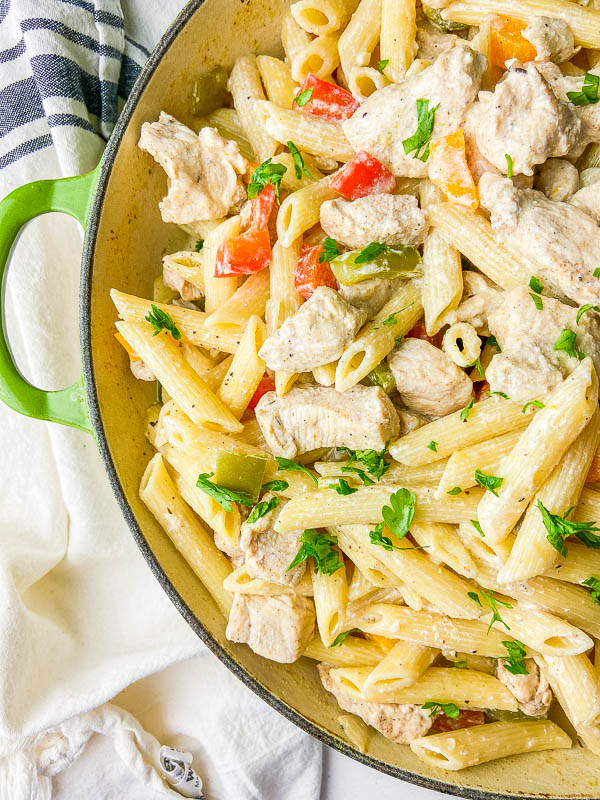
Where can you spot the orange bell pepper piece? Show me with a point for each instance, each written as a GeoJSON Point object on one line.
{"type": "Point", "coordinates": [506, 41]}
{"type": "Point", "coordinates": [133, 356]}
{"type": "Point", "coordinates": [449, 170]}
{"type": "Point", "coordinates": [382, 641]}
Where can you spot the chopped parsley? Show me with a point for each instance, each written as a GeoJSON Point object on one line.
{"type": "Point", "coordinates": [276, 486]}
{"type": "Point", "coordinates": [537, 301]}
{"type": "Point", "coordinates": [342, 487]}
{"type": "Point", "coordinates": [509, 165]}
{"type": "Point", "coordinates": [594, 585]}
{"type": "Point", "coordinates": [559, 528]}
{"type": "Point", "coordinates": [584, 309]}
{"type": "Point", "coordinates": [478, 528]}
{"type": "Point", "coordinates": [398, 517]}
{"type": "Point", "coordinates": [370, 252]}
{"type": "Point", "coordinates": [460, 665]}
{"type": "Point", "coordinates": [489, 482]}
{"type": "Point", "coordinates": [536, 403]}
{"type": "Point", "coordinates": [287, 463]}
{"type": "Point", "coordinates": [361, 474]}
{"type": "Point", "coordinates": [515, 663]}
{"type": "Point", "coordinates": [477, 365]}
{"type": "Point", "coordinates": [330, 250]}
{"type": "Point", "coordinates": [318, 546]}
{"type": "Point", "coordinates": [566, 342]}
{"type": "Point", "coordinates": [418, 143]}
{"type": "Point", "coordinates": [534, 283]}
{"type": "Point", "coordinates": [500, 394]}
{"type": "Point", "coordinates": [475, 597]}
{"type": "Point", "coordinates": [449, 709]}
{"type": "Point", "coordinates": [161, 321]}
{"type": "Point", "coordinates": [299, 165]}
{"type": "Point", "coordinates": [456, 490]}
{"type": "Point", "coordinates": [493, 603]}
{"type": "Point", "coordinates": [589, 91]}
{"type": "Point", "coordinates": [341, 637]}
{"type": "Point", "coordinates": [391, 320]}
{"type": "Point", "coordinates": [224, 497]}
{"type": "Point", "coordinates": [264, 174]}
{"type": "Point", "coordinates": [262, 508]}
{"type": "Point", "coordinates": [432, 446]}
{"type": "Point", "coordinates": [381, 65]}
{"type": "Point", "coordinates": [398, 341]}
{"type": "Point", "coordinates": [302, 98]}
{"type": "Point", "coordinates": [199, 245]}
{"type": "Point", "coordinates": [464, 414]}
{"type": "Point", "coordinates": [596, 272]}
{"type": "Point", "coordinates": [373, 460]}
{"type": "Point", "coordinates": [493, 342]}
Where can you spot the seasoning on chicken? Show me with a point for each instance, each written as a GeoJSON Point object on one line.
{"type": "Point", "coordinates": [552, 38]}
{"type": "Point", "coordinates": [532, 691]}
{"type": "Point", "coordinates": [528, 365]}
{"type": "Point", "coordinates": [385, 218]}
{"type": "Point", "coordinates": [389, 116]}
{"type": "Point", "coordinates": [428, 381]}
{"type": "Point", "coordinates": [277, 627]}
{"type": "Point", "coordinates": [308, 417]}
{"type": "Point", "coordinates": [315, 335]}
{"type": "Point", "coordinates": [401, 723]}
{"type": "Point", "coordinates": [561, 242]}
{"type": "Point", "coordinates": [268, 554]}
{"type": "Point", "coordinates": [204, 170]}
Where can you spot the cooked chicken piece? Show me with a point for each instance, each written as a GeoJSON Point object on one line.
{"type": "Point", "coordinates": [557, 179]}
{"type": "Point", "coordinates": [561, 242]}
{"type": "Point", "coordinates": [268, 554]}
{"type": "Point", "coordinates": [478, 164]}
{"type": "Point", "coordinates": [532, 691]}
{"type": "Point", "coordinates": [409, 421]}
{"type": "Point", "coordinates": [278, 627]}
{"type": "Point", "coordinates": [528, 365]}
{"type": "Point", "coordinates": [204, 170]}
{"type": "Point", "coordinates": [480, 298]}
{"type": "Point", "coordinates": [315, 335]}
{"type": "Point", "coordinates": [589, 115]}
{"type": "Point", "coordinates": [370, 295]}
{"type": "Point", "coordinates": [141, 371]}
{"type": "Point", "coordinates": [389, 115]}
{"type": "Point", "coordinates": [588, 200]}
{"type": "Point", "coordinates": [428, 381]}
{"type": "Point", "coordinates": [432, 42]}
{"type": "Point", "coordinates": [173, 279]}
{"type": "Point", "coordinates": [386, 218]}
{"type": "Point", "coordinates": [524, 118]}
{"type": "Point", "coordinates": [308, 417]}
{"type": "Point", "coordinates": [401, 723]}
{"type": "Point", "coordinates": [552, 38]}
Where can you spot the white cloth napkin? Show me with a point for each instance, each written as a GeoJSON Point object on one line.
{"type": "Point", "coordinates": [81, 615]}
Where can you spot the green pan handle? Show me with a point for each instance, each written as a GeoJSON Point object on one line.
{"type": "Point", "coordinates": [71, 196]}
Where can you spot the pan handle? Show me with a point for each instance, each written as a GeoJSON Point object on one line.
{"type": "Point", "coordinates": [71, 196]}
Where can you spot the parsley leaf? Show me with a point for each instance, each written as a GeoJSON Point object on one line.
{"type": "Point", "coordinates": [224, 497]}
{"type": "Point", "coordinates": [381, 65]}
{"type": "Point", "coordinates": [589, 91]}
{"type": "Point", "coordinates": [299, 165]}
{"type": "Point", "coordinates": [318, 546]}
{"type": "Point", "coordinates": [489, 482]}
{"type": "Point", "coordinates": [370, 252]}
{"type": "Point", "coordinates": [474, 596]}
{"type": "Point", "coordinates": [398, 340]}
{"type": "Point", "coordinates": [419, 141]}
{"type": "Point", "coordinates": [509, 165]}
{"type": "Point", "coordinates": [566, 341]}
{"type": "Point", "coordinates": [400, 515]}
{"type": "Point", "coordinates": [375, 462]}
{"type": "Point", "coordinates": [262, 508]}
{"type": "Point", "coordinates": [596, 272]}
{"type": "Point", "coordinates": [515, 663]}
{"type": "Point", "coordinates": [477, 527]}
{"type": "Point", "coordinates": [302, 98]}
{"type": "Point", "coordinates": [432, 446]}
{"type": "Point", "coordinates": [536, 403]}
{"type": "Point", "coordinates": [391, 320]}
{"type": "Point", "coordinates": [276, 486]}
{"type": "Point", "coordinates": [464, 414]}
{"type": "Point", "coordinates": [199, 245]}
{"type": "Point", "coordinates": [493, 603]}
{"type": "Point", "coordinates": [287, 463]}
{"type": "Point", "coordinates": [534, 283]}
{"type": "Point", "coordinates": [376, 537]}
{"type": "Point", "coordinates": [501, 394]}
{"type": "Point", "coordinates": [264, 174]}
{"type": "Point", "coordinates": [584, 309]}
{"type": "Point", "coordinates": [341, 637]}
{"type": "Point", "coordinates": [594, 585]}
{"type": "Point", "coordinates": [361, 474]}
{"type": "Point", "coordinates": [330, 250]}
{"type": "Point", "coordinates": [478, 367]}
{"type": "Point", "coordinates": [449, 709]}
{"type": "Point", "coordinates": [493, 342]}
{"type": "Point", "coordinates": [559, 528]}
{"type": "Point", "coordinates": [342, 487]}
{"type": "Point", "coordinates": [456, 490]}
{"type": "Point", "coordinates": [460, 665]}
{"type": "Point", "coordinates": [161, 321]}
{"type": "Point", "coordinates": [537, 301]}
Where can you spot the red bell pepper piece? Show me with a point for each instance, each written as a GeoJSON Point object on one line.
{"type": "Point", "coordinates": [419, 332]}
{"type": "Point", "coordinates": [327, 99]}
{"type": "Point", "coordinates": [251, 251]}
{"type": "Point", "coordinates": [266, 385]}
{"type": "Point", "coordinates": [465, 719]}
{"type": "Point", "coordinates": [310, 274]}
{"type": "Point", "coordinates": [362, 176]}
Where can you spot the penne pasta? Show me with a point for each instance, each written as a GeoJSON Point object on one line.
{"type": "Point", "coordinates": [397, 43]}
{"type": "Point", "coordinates": [330, 596]}
{"type": "Point", "coordinates": [300, 211]}
{"type": "Point", "coordinates": [361, 35]}
{"type": "Point", "coordinates": [442, 280]}
{"type": "Point", "coordinates": [218, 291]}
{"type": "Point", "coordinates": [324, 16]}
{"type": "Point", "coordinates": [246, 89]}
{"type": "Point", "coordinates": [246, 370]}
{"type": "Point", "coordinates": [277, 80]}
{"type": "Point", "coordinates": [249, 300]}
{"type": "Point", "coordinates": [404, 664]}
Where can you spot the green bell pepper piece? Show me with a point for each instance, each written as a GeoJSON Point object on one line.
{"type": "Point", "coordinates": [240, 472]}
{"type": "Point", "coordinates": [393, 262]}
{"type": "Point", "coordinates": [210, 92]}
{"type": "Point", "coordinates": [434, 15]}
{"type": "Point", "coordinates": [382, 376]}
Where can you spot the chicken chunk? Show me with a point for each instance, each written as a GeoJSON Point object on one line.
{"type": "Point", "coordinates": [524, 118]}
{"type": "Point", "coordinates": [308, 417]}
{"type": "Point", "coordinates": [389, 115]}
{"type": "Point", "coordinates": [428, 381]}
{"type": "Point", "coordinates": [140, 371]}
{"type": "Point", "coordinates": [277, 627]}
{"type": "Point", "coordinates": [432, 42]}
{"type": "Point", "coordinates": [268, 554]}
{"type": "Point", "coordinates": [401, 723]}
{"type": "Point", "coordinates": [386, 218]}
{"type": "Point", "coordinates": [480, 298]}
{"type": "Point", "coordinates": [369, 296]}
{"type": "Point", "coordinates": [532, 691]}
{"type": "Point", "coordinates": [558, 179]}
{"type": "Point", "coordinates": [588, 200]}
{"type": "Point", "coordinates": [589, 115]}
{"type": "Point", "coordinates": [561, 242]}
{"type": "Point", "coordinates": [552, 38]}
{"type": "Point", "coordinates": [528, 365]}
{"type": "Point", "coordinates": [315, 335]}
{"type": "Point", "coordinates": [204, 170]}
